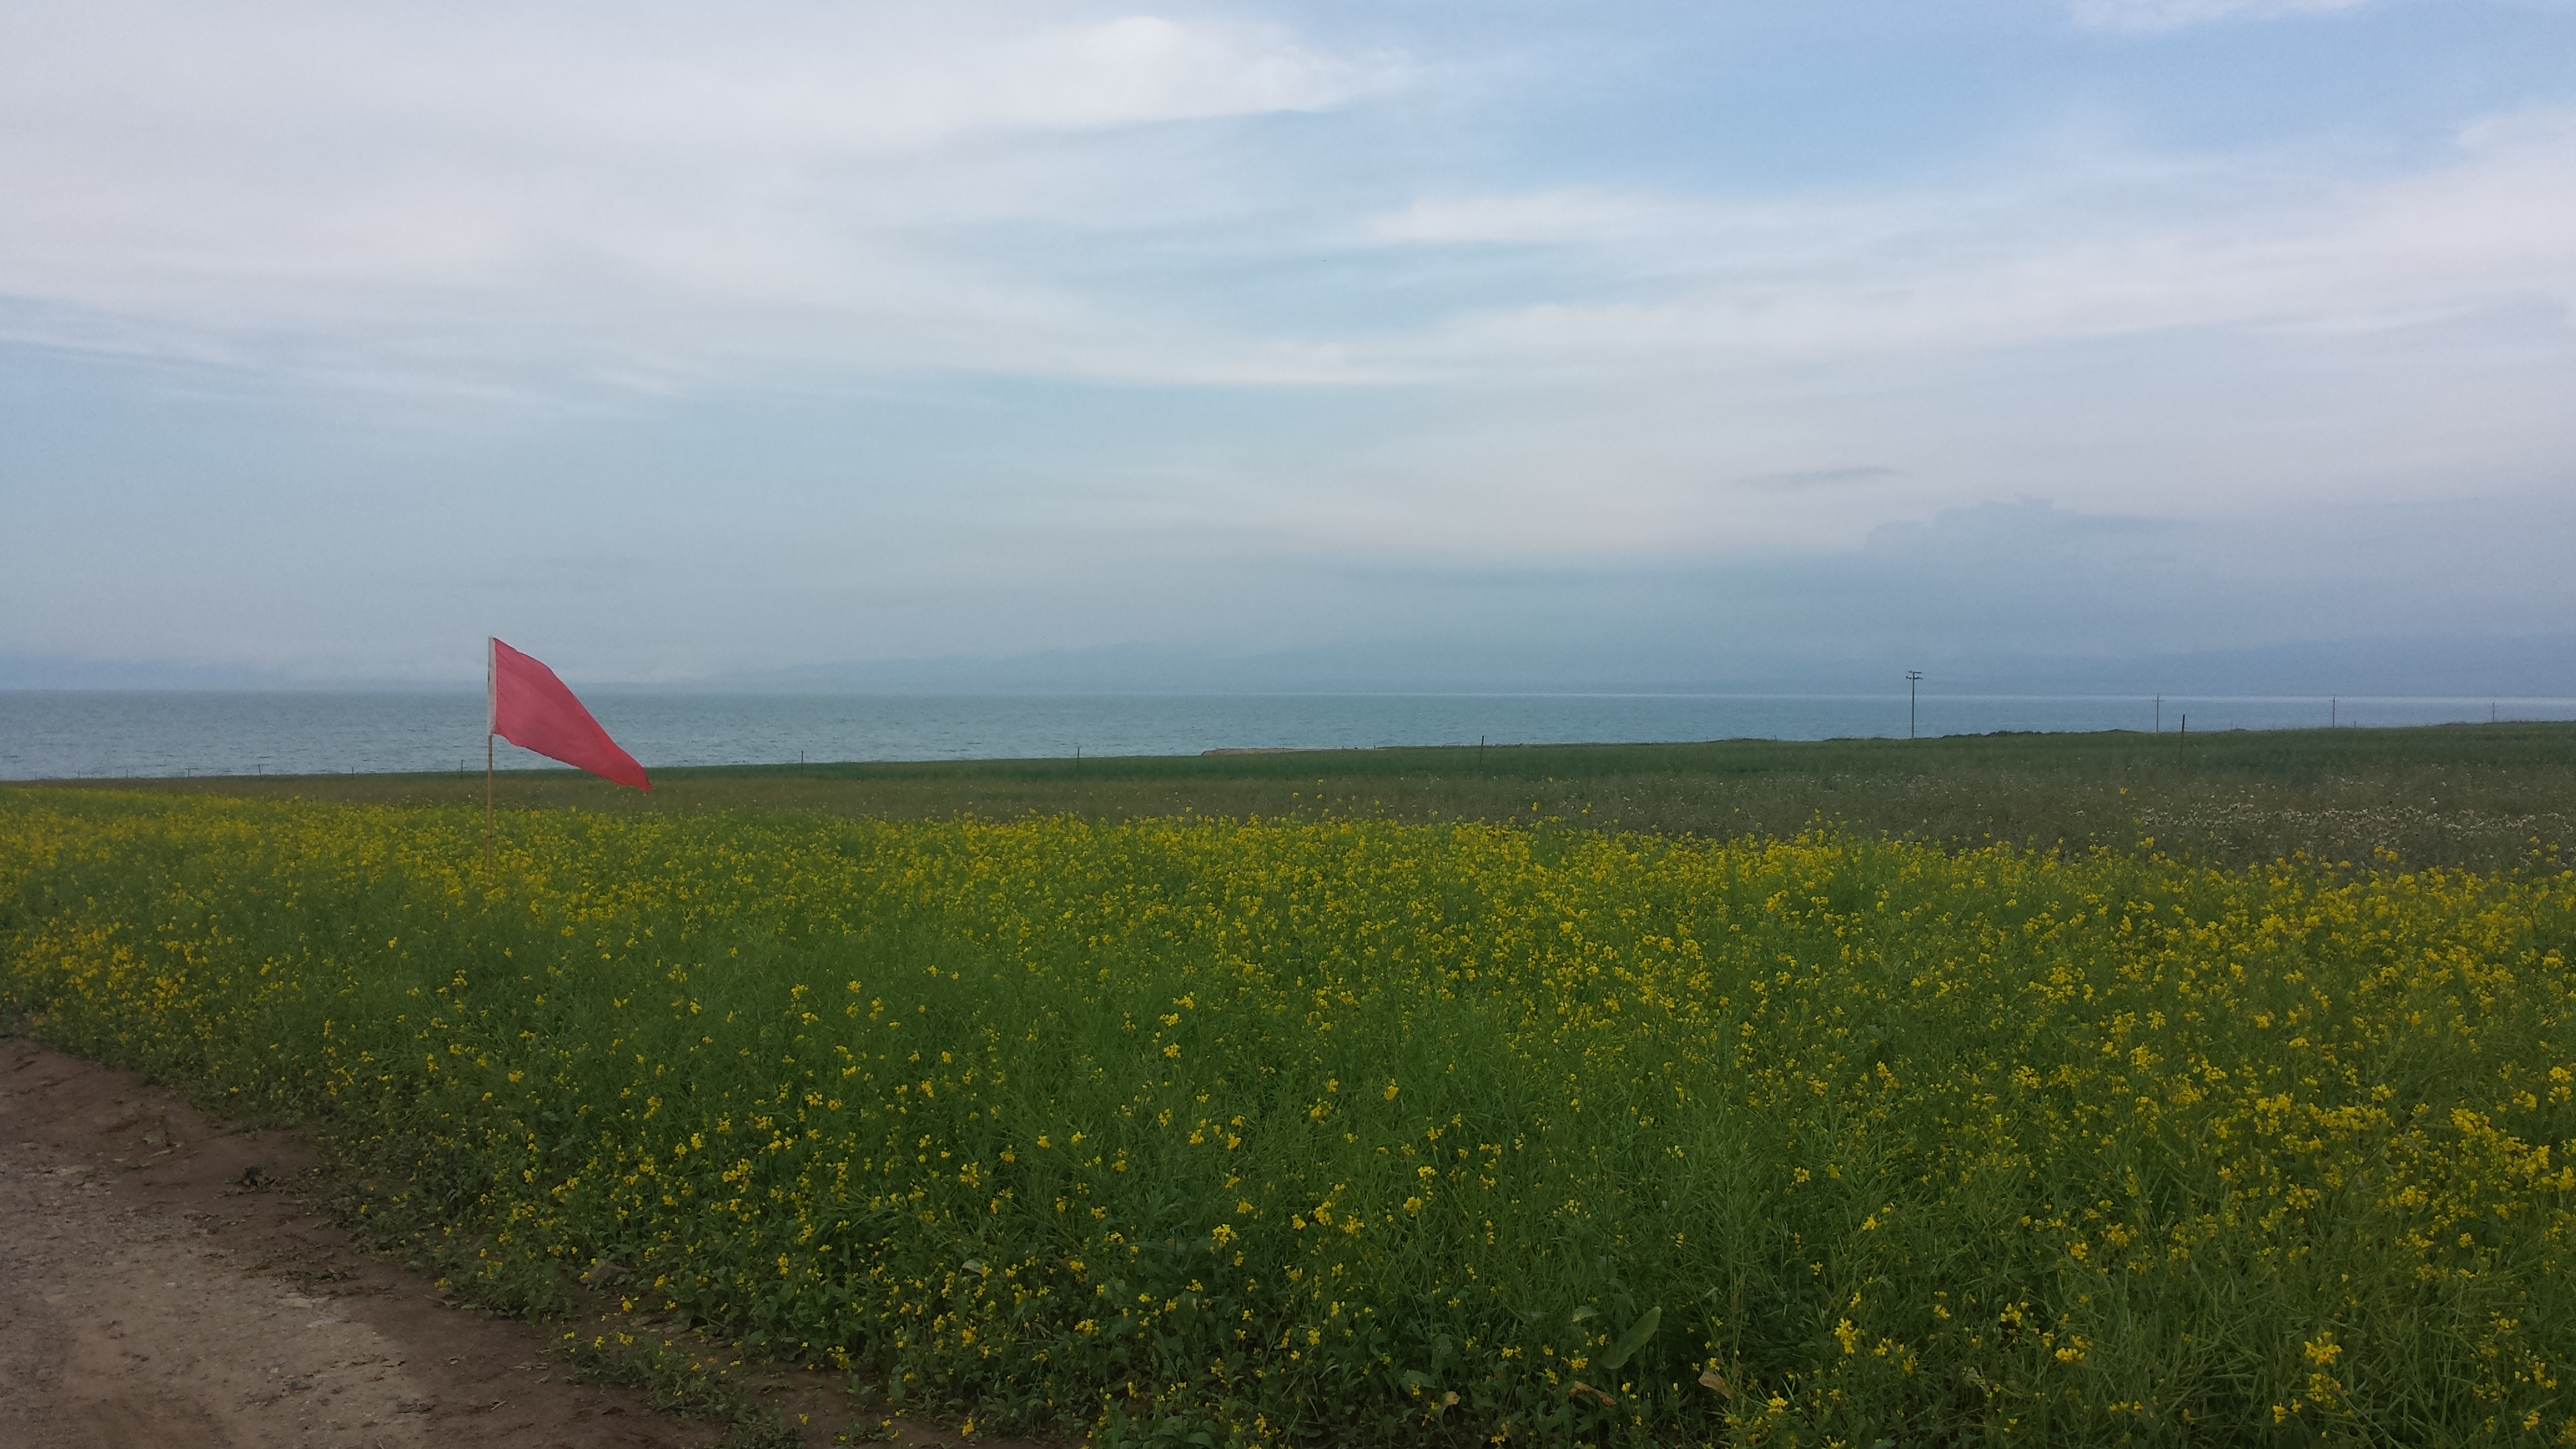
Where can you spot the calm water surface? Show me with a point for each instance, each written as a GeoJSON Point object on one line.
{"type": "Point", "coordinates": [55, 735]}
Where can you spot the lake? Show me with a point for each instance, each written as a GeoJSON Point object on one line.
{"type": "Point", "coordinates": [64, 734]}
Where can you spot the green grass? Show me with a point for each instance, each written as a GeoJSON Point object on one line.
{"type": "Point", "coordinates": [2457, 795]}
{"type": "Point", "coordinates": [1358, 1130]}
{"type": "Point", "coordinates": [1903, 1089]}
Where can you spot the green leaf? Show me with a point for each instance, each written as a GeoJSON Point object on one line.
{"type": "Point", "coordinates": [1631, 1341]}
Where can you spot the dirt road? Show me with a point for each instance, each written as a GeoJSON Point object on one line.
{"type": "Point", "coordinates": [164, 1283]}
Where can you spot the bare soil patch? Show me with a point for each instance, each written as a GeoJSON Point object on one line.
{"type": "Point", "coordinates": [165, 1280]}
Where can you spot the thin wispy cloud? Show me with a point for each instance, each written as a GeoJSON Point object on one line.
{"type": "Point", "coordinates": [684, 192]}
{"type": "Point", "coordinates": [675, 203]}
{"type": "Point", "coordinates": [1799, 479]}
{"type": "Point", "coordinates": [2027, 259]}
{"type": "Point", "coordinates": [2155, 15]}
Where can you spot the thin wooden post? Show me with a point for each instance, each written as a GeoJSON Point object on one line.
{"type": "Point", "coordinates": [487, 810]}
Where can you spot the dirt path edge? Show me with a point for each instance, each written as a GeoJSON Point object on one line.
{"type": "Point", "coordinates": [166, 1279]}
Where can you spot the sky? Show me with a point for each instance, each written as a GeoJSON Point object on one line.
{"type": "Point", "coordinates": [1410, 342]}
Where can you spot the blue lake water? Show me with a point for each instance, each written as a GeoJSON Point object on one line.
{"type": "Point", "coordinates": [57, 735]}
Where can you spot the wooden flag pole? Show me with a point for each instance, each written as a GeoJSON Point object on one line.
{"type": "Point", "coordinates": [487, 809]}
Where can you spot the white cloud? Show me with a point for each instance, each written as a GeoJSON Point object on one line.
{"type": "Point", "coordinates": [655, 193]}
{"type": "Point", "coordinates": [2154, 15]}
{"type": "Point", "coordinates": [1578, 214]}
{"type": "Point", "coordinates": [644, 199]}
{"type": "Point", "coordinates": [763, 76]}
{"type": "Point", "coordinates": [2201, 333]}
{"type": "Point", "coordinates": [2096, 249]}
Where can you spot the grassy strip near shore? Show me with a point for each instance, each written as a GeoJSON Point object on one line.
{"type": "Point", "coordinates": [1311, 1131]}
{"type": "Point", "coordinates": [2479, 796]}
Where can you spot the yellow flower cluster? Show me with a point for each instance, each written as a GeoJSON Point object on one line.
{"type": "Point", "coordinates": [1266, 1131]}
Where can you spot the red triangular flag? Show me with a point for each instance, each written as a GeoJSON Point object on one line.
{"type": "Point", "coordinates": [532, 709]}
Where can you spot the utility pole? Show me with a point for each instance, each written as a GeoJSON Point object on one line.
{"type": "Point", "coordinates": [1912, 678]}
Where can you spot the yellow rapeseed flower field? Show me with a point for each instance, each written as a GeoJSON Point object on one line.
{"type": "Point", "coordinates": [1223, 1132]}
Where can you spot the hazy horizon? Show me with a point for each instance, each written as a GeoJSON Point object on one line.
{"type": "Point", "coordinates": [2532, 668]}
